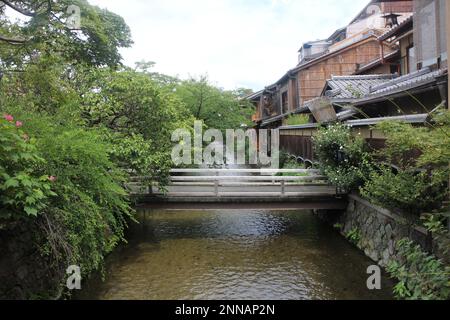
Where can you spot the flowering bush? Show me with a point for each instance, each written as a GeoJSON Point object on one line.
{"type": "Point", "coordinates": [92, 206]}
{"type": "Point", "coordinates": [23, 190]}
{"type": "Point", "coordinates": [342, 156]}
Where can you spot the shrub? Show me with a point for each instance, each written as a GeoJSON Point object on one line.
{"type": "Point", "coordinates": [342, 156]}
{"type": "Point", "coordinates": [136, 153]}
{"type": "Point", "coordinates": [24, 191]}
{"type": "Point", "coordinates": [406, 190]}
{"type": "Point", "coordinates": [354, 236]}
{"type": "Point", "coordinates": [63, 175]}
{"type": "Point", "coordinates": [421, 276]}
{"type": "Point", "coordinates": [88, 217]}
{"type": "Point", "coordinates": [421, 183]}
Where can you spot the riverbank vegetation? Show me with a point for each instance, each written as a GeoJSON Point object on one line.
{"type": "Point", "coordinates": [410, 175]}
{"type": "Point", "coordinates": [75, 121]}
{"type": "Point", "coordinates": [343, 157]}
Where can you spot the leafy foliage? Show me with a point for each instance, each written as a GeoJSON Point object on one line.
{"type": "Point", "coordinates": [421, 276]}
{"type": "Point", "coordinates": [421, 183]}
{"type": "Point", "coordinates": [91, 204]}
{"type": "Point", "coordinates": [24, 191]}
{"type": "Point", "coordinates": [217, 108]}
{"type": "Point", "coordinates": [342, 156]}
{"type": "Point", "coordinates": [435, 223]}
{"type": "Point", "coordinates": [45, 30]}
{"type": "Point", "coordinates": [297, 119]}
{"type": "Point", "coordinates": [406, 190]}
{"type": "Point", "coordinates": [432, 143]}
{"type": "Point", "coordinates": [354, 236]}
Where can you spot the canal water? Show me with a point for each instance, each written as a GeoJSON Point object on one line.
{"type": "Point", "coordinates": [234, 254]}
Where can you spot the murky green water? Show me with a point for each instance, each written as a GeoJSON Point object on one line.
{"type": "Point", "coordinates": [243, 254]}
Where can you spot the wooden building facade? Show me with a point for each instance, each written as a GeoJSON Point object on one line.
{"type": "Point", "coordinates": [398, 73]}
{"type": "Point", "coordinates": [313, 75]}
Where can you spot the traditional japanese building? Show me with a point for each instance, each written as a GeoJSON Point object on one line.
{"type": "Point", "coordinates": [375, 92]}
{"type": "Point", "coordinates": [342, 54]}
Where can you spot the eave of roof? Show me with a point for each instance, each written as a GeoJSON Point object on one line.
{"type": "Point", "coordinates": [253, 95]}
{"type": "Point", "coordinates": [413, 118]}
{"type": "Point", "coordinates": [302, 126]}
{"type": "Point", "coordinates": [272, 120]}
{"type": "Point", "coordinates": [419, 80]}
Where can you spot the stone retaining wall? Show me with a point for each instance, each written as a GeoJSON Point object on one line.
{"type": "Point", "coordinates": [24, 271]}
{"type": "Point", "coordinates": [377, 229]}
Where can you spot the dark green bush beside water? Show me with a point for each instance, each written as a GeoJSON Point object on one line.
{"type": "Point", "coordinates": [62, 183]}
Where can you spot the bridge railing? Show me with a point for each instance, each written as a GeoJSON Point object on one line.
{"type": "Point", "coordinates": [241, 183]}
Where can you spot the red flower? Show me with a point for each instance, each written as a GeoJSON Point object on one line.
{"type": "Point", "coordinates": [52, 178]}
{"type": "Point", "coordinates": [19, 124]}
{"type": "Point", "coordinates": [8, 117]}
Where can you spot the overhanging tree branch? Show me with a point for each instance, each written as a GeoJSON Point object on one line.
{"type": "Point", "coordinates": [12, 41]}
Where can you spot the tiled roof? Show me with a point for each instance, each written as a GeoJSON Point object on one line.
{"type": "Point", "coordinates": [354, 87]}
{"type": "Point", "coordinates": [406, 82]}
{"type": "Point", "coordinates": [361, 88]}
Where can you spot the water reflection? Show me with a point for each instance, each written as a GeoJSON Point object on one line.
{"type": "Point", "coordinates": [234, 255]}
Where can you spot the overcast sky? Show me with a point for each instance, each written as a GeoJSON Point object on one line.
{"type": "Point", "coordinates": [238, 43]}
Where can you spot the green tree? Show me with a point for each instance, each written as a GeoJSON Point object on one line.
{"type": "Point", "coordinates": [140, 117]}
{"type": "Point", "coordinates": [46, 30]}
{"type": "Point", "coordinates": [217, 108]}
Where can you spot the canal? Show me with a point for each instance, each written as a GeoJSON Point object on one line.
{"type": "Point", "coordinates": [234, 254]}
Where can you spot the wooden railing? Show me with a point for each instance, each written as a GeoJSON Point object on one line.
{"type": "Point", "coordinates": [242, 182]}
